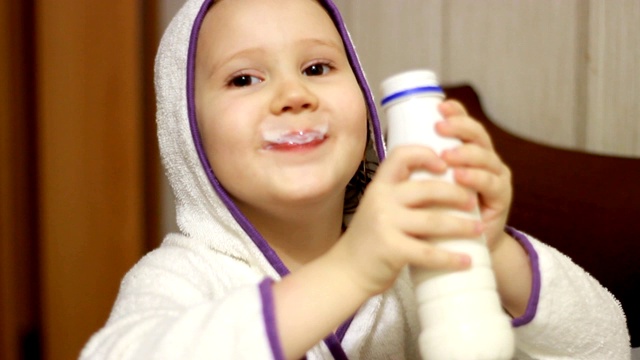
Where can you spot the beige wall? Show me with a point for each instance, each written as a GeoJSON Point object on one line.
{"type": "Point", "coordinates": [560, 72]}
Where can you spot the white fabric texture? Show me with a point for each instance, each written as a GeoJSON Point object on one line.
{"type": "Point", "coordinates": [576, 317]}
{"type": "Point", "coordinates": [198, 297]}
{"type": "Point", "coordinates": [187, 301]}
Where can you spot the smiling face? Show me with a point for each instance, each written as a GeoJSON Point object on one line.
{"type": "Point", "coordinates": [266, 66]}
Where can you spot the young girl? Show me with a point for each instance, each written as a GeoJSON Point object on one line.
{"type": "Point", "coordinates": [268, 132]}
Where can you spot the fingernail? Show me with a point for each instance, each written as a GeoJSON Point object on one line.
{"type": "Point", "coordinates": [445, 105]}
{"type": "Point", "coordinates": [464, 260]}
{"type": "Point", "coordinates": [441, 165]}
{"type": "Point", "coordinates": [473, 201]}
{"type": "Point", "coordinates": [442, 126]}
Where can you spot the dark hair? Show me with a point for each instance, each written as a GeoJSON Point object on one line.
{"type": "Point", "coordinates": [362, 177]}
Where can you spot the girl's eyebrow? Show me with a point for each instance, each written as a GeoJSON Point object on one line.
{"type": "Point", "coordinates": [325, 43]}
{"type": "Point", "coordinates": [258, 50]}
{"type": "Point", "coordinates": [252, 51]}
{"type": "Point", "coordinates": [322, 42]}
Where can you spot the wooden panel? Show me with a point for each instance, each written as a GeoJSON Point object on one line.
{"type": "Point", "coordinates": [563, 73]}
{"type": "Point", "coordinates": [153, 170]}
{"type": "Point", "coordinates": [523, 57]}
{"type": "Point", "coordinates": [8, 333]}
{"type": "Point", "coordinates": [394, 38]}
{"type": "Point", "coordinates": [614, 77]}
{"type": "Point", "coordinates": [515, 53]}
{"type": "Point", "coordinates": [19, 315]}
{"type": "Point", "coordinates": [91, 193]}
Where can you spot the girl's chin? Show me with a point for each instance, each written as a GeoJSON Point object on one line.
{"type": "Point", "coordinates": [309, 193]}
{"type": "Point", "coordinates": [301, 195]}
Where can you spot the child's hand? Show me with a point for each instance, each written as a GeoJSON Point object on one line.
{"type": "Point", "coordinates": [396, 217]}
{"type": "Point", "coordinates": [478, 167]}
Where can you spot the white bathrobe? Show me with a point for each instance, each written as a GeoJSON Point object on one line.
{"type": "Point", "coordinates": [206, 292]}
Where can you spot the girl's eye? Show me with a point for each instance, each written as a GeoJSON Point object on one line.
{"type": "Point", "coordinates": [244, 80]}
{"type": "Point", "coordinates": [317, 70]}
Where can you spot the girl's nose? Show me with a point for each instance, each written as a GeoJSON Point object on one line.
{"type": "Point", "coordinates": [293, 96]}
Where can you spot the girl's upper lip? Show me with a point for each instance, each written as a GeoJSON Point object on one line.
{"type": "Point", "coordinates": [290, 146]}
{"type": "Point", "coordinates": [294, 139]}
{"type": "Point", "coordinates": [285, 130]}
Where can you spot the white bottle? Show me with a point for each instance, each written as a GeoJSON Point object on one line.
{"type": "Point", "coordinates": [460, 312]}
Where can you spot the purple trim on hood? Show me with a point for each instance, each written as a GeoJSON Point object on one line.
{"type": "Point", "coordinates": [342, 330]}
{"type": "Point", "coordinates": [335, 348]}
{"type": "Point", "coordinates": [257, 238]}
{"type": "Point", "coordinates": [532, 305]}
{"type": "Point", "coordinates": [269, 316]}
{"type": "Point", "coordinates": [334, 13]}
{"type": "Point", "coordinates": [333, 340]}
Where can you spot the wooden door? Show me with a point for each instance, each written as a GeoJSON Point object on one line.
{"type": "Point", "coordinates": [78, 166]}
{"type": "Point", "coordinates": [91, 147]}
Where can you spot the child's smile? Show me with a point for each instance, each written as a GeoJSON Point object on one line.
{"type": "Point", "coordinates": [284, 136]}
{"type": "Point", "coordinates": [281, 114]}
{"type": "Point", "coordinates": [296, 140]}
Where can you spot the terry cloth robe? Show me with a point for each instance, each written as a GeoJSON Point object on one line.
{"type": "Point", "coordinates": [205, 293]}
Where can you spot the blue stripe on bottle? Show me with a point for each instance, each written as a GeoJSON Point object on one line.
{"type": "Point", "coordinates": [418, 90]}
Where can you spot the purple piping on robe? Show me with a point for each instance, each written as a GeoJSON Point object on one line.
{"type": "Point", "coordinates": [532, 305]}
{"type": "Point", "coordinates": [268, 312]}
{"type": "Point", "coordinates": [334, 13]}
{"type": "Point", "coordinates": [333, 340]}
{"type": "Point", "coordinates": [242, 220]}
{"type": "Point", "coordinates": [264, 247]}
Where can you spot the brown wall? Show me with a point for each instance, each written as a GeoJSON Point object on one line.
{"type": "Point", "coordinates": [78, 165]}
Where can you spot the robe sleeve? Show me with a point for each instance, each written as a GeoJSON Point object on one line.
{"type": "Point", "coordinates": [570, 315]}
{"type": "Point", "coordinates": [177, 303]}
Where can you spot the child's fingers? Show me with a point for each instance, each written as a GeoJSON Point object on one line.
{"type": "Point", "coordinates": [472, 155]}
{"type": "Point", "coordinates": [429, 224]}
{"type": "Point", "coordinates": [489, 185]}
{"type": "Point", "coordinates": [452, 108]}
{"type": "Point", "coordinates": [429, 194]}
{"type": "Point", "coordinates": [427, 256]}
{"type": "Point", "coordinates": [459, 125]}
{"type": "Point", "coordinates": [466, 129]}
{"type": "Point", "coordinates": [404, 160]}
{"type": "Point", "coordinates": [479, 169]}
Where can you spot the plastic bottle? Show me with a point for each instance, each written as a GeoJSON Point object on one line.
{"type": "Point", "coordinates": [461, 317]}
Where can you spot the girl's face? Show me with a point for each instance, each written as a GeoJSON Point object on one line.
{"type": "Point", "coordinates": [281, 114]}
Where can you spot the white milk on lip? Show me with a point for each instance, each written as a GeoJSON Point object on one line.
{"type": "Point", "coordinates": [283, 133]}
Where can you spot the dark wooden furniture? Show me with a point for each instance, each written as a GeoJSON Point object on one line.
{"type": "Point", "coordinates": [585, 205]}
